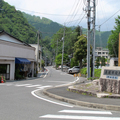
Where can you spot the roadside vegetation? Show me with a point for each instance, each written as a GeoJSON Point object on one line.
{"type": "Point", "coordinates": [97, 73]}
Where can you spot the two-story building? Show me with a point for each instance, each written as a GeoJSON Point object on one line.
{"type": "Point", "coordinates": [38, 55]}
{"type": "Point", "coordinates": [14, 54]}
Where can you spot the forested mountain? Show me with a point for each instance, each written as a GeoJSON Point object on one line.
{"type": "Point", "coordinates": [101, 38]}
{"type": "Point", "coordinates": [24, 26]}
{"type": "Point", "coordinates": [13, 22]}
{"type": "Point", "coordinates": [46, 26]}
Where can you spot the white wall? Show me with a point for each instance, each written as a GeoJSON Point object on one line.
{"type": "Point", "coordinates": [8, 49]}
{"type": "Point", "coordinates": [12, 48]}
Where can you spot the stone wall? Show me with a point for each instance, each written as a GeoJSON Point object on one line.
{"type": "Point", "coordinates": [109, 85]}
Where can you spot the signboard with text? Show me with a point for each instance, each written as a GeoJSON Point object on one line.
{"type": "Point", "coordinates": [111, 73]}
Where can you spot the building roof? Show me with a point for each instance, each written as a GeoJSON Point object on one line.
{"type": "Point", "coordinates": [4, 32]}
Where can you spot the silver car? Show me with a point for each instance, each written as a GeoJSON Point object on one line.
{"type": "Point", "coordinates": [75, 69]}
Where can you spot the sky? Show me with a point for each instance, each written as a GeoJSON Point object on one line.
{"type": "Point", "coordinates": [71, 12]}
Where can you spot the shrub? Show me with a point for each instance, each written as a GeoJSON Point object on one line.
{"type": "Point", "coordinates": [83, 71]}
{"type": "Point", "coordinates": [97, 73]}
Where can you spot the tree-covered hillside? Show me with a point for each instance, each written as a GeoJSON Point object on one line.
{"type": "Point", "coordinates": [13, 22]}
{"type": "Point", "coordinates": [24, 26]}
{"type": "Point", "coordinates": [46, 26]}
{"type": "Point", "coordinates": [101, 37]}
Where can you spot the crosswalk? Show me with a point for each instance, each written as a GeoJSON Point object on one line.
{"type": "Point", "coordinates": [80, 115]}
{"type": "Point", "coordinates": [38, 86]}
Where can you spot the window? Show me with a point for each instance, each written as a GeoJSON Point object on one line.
{"type": "Point", "coordinates": [103, 53]}
{"type": "Point", "coordinates": [99, 53]}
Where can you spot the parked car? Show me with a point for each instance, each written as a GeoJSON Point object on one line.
{"type": "Point", "coordinates": [75, 69]}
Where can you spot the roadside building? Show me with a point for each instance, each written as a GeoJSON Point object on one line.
{"type": "Point", "coordinates": [102, 52]}
{"type": "Point", "coordinates": [38, 55]}
{"type": "Point", "coordinates": [15, 55]}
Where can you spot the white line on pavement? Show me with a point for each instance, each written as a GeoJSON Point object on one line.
{"type": "Point", "coordinates": [33, 86]}
{"type": "Point", "coordinates": [33, 93]}
{"type": "Point", "coordinates": [42, 87]}
{"type": "Point", "coordinates": [18, 85]}
{"type": "Point", "coordinates": [79, 117]}
{"type": "Point", "coordinates": [86, 112]}
{"type": "Point", "coordinates": [46, 73]}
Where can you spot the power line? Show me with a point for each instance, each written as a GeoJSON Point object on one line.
{"type": "Point", "coordinates": [46, 13]}
{"type": "Point", "coordinates": [70, 12]}
{"type": "Point", "coordinates": [110, 17]}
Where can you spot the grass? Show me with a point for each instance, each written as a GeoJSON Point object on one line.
{"type": "Point", "coordinates": [88, 85]}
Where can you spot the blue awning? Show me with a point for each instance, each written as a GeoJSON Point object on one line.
{"type": "Point", "coordinates": [22, 61]}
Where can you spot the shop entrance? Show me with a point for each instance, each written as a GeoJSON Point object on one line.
{"type": "Point", "coordinates": [5, 70]}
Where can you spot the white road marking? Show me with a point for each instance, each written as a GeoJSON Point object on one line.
{"type": "Point", "coordinates": [33, 86]}
{"type": "Point", "coordinates": [19, 85]}
{"type": "Point", "coordinates": [58, 81]}
{"type": "Point", "coordinates": [79, 117]}
{"type": "Point", "coordinates": [46, 73]}
{"type": "Point", "coordinates": [33, 93]}
{"type": "Point", "coordinates": [86, 112]}
{"type": "Point", "coordinates": [42, 87]}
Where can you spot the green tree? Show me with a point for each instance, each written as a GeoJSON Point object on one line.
{"type": "Point", "coordinates": [97, 62]}
{"type": "Point", "coordinates": [114, 38]}
{"type": "Point", "coordinates": [103, 60]}
{"type": "Point", "coordinates": [80, 48]}
{"type": "Point", "coordinates": [74, 62]}
{"type": "Point", "coordinates": [13, 22]}
{"type": "Point", "coordinates": [58, 59]}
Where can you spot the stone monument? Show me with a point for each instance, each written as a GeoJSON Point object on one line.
{"type": "Point", "coordinates": [110, 79]}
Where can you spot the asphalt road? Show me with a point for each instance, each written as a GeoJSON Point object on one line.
{"type": "Point", "coordinates": [18, 102]}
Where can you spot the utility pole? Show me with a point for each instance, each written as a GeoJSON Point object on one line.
{"type": "Point", "coordinates": [63, 49]}
{"type": "Point", "coordinates": [119, 52]}
{"type": "Point", "coordinates": [93, 52]}
{"type": "Point", "coordinates": [38, 53]}
{"type": "Point", "coordinates": [88, 38]}
{"type": "Point", "coordinates": [56, 52]}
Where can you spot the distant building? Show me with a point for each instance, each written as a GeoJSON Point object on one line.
{"type": "Point", "coordinates": [15, 54]}
{"type": "Point", "coordinates": [38, 54]}
{"type": "Point", "coordinates": [113, 62]}
{"type": "Point", "coordinates": [102, 52]}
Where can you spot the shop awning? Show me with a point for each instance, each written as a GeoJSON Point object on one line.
{"type": "Point", "coordinates": [22, 61]}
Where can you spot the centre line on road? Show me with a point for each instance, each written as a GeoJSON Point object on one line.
{"type": "Point", "coordinates": [33, 93]}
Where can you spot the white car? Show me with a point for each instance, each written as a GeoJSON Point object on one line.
{"type": "Point", "coordinates": [75, 69]}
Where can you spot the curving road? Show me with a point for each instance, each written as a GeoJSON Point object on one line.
{"type": "Point", "coordinates": [18, 101]}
